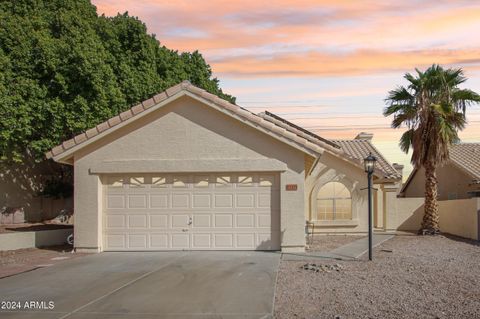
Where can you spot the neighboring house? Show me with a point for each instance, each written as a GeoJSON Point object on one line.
{"type": "Point", "coordinates": [188, 170]}
{"type": "Point", "coordinates": [20, 187]}
{"type": "Point", "coordinates": [459, 178]}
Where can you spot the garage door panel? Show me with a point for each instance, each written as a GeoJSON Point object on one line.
{"type": "Point", "coordinates": [180, 200]}
{"type": "Point", "coordinates": [180, 220]}
{"type": "Point", "coordinates": [223, 241]}
{"type": "Point", "coordinates": [202, 241]}
{"type": "Point", "coordinates": [223, 220]}
{"type": "Point", "coordinates": [223, 200]}
{"type": "Point", "coordinates": [115, 201]}
{"type": "Point", "coordinates": [159, 241]}
{"type": "Point", "coordinates": [116, 241]}
{"type": "Point", "coordinates": [158, 221]}
{"type": "Point", "coordinates": [245, 200]}
{"type": "Point", "coordinates": [159, 201]}
{"type": "Point", "coordinates": [137, 221]}
{"type": "Point", "coordinates": [201, 201]}
{"type": "Point", "coordinates": [180, 240]}
{"type": "Point", "coordinates": [184, 212]}
{"type": "Point", "coordinates": [137, 241]}
{"type": "Point", "coordinates": [137, 201]}
{"type": "Point", "coordinates": [264, 220]}
{"type": "Point", "coordinates": [115, 221]}
{"type": "Point", "coordinates": [245, 220]}
{"type": "Point", "coordinates": [245, 241]}
{"type": "Point", "coordinates": [264, 241]}
{"type": "Point", "coordinates": [202, 221]}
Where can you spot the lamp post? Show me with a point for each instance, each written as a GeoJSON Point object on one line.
{"type": "Point", "coordinates": [369, 163]}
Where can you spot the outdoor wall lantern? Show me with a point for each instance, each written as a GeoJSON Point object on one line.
{"type": "Point", "coordinates": [369, 163]}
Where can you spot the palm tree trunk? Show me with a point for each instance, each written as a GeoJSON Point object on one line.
{"type": "Point", "coordinates": [430, 217]}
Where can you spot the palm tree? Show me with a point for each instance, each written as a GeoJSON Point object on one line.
{"type": "Point", "coordinates": [432, 107]}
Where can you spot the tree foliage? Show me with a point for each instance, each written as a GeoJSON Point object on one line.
{"type": "Point", "coordinates": [64, 69]}
{"type": "Point", "coordinates": [432, 107]}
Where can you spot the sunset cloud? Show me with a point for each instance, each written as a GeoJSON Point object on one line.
{"type": "Point", "coordinates": [314, 60]}
{"type": "Point", "coordinates": [355, 63]}
{"type": "Point", "coordinates": [305, 38]}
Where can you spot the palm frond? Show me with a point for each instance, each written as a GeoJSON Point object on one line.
{"type": "Point", "coordinates": [432, 107]}
{"type": "Point", "coordinates": [406, 140]}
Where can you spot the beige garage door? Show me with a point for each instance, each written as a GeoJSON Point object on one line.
{"type": "Point", "coordinates": [192, 212]}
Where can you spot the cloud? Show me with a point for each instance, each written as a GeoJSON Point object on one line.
{"type": "Point", "coordinates": [312, 37]}
{"type": "Point", "coordinates": [356, 63]}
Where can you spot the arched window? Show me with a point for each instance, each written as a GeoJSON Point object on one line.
{"type": "Point", "coordinates": [334, 202]}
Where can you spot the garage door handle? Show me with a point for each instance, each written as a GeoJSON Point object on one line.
{"type": "Point", "coordinates": [189, 221]}
{"type": "Point", "coordinates": [184, 230]}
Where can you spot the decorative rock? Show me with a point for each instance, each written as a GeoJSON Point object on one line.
{"type": "Point", "coordinates": [322, 268]}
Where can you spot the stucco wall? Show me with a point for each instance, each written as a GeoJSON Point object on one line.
{"type": "Point", "coordinates": [452, 182]}
{"type": "Point", "coordinates": [409, 213]}
{"type": "Point", "coordinates": [458, 217]}
{"type": "Point", "coordinates": [31, 239]}
{"type": "Point", "coordinates": [20, 184]}
{"type": "Point", "coordinates": [189, 131]}
{"type": "Point", "coordinates": [331, 168]}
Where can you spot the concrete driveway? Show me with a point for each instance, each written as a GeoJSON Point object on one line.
{"type": "Point", "coordinates": [148, 285]}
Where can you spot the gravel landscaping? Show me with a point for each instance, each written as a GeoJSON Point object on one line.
{"type": "Point", "coordinates": [13, 262]}
{"type": "Point", "coordinates": [410, 277]}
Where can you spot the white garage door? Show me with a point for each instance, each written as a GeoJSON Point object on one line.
{"type": "Point", "coordinates": [192, 212]}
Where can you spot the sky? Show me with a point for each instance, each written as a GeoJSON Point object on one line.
{"type": "Point", "coordinates": [326, 65]}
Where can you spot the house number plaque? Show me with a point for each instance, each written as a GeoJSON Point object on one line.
{"type": "Point", "coordinates": [292, 187]}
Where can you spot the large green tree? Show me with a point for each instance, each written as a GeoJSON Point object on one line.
{"type": "Point", "coordinates": [432, 107]}
{"type": "Point", "coordinates": [64, 69]}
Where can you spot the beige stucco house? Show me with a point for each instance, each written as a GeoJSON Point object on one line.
{"type": "Point", "coordinates": [459, 178]}
{"type": "Point", "coordinates": [188, 170]}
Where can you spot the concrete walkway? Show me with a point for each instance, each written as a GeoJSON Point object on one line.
{"type": "Point", "coordinates": [359, 247]}
{"type": "Point", "coordinates": [349, 251]}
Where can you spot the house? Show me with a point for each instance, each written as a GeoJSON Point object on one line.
{"type": "Point", "coordinates": [459, 178]}
{"type": "Point", "coordinates": [188, 170]}
{"type": "Point", "coordinates": [20, 188]}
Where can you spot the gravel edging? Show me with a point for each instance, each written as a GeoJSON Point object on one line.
{"type": "Point", "coordinates": [410, 277]}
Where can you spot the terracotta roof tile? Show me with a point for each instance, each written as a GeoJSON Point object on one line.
{"type": "Point", "coordinates": [359, 149]}
{"type": "Point", "coordinates": [195, 90]}
{"type": "Point", "coordinates": [91, 132]}
{"type": "Point", "coordinates": [102, 127]}
{"type": "Point", "coordinates": [309, 136]}
{"type": "Point", "coordinates": [266, 120]}
{"type": "Point", "coordinates": [57, 150]}
{"type": "Point", "coordinates": [160, 97]}
{"type": "Point", "coordinates": [148, 103]}
{"type": "Point", "coordinates": [126, 115]}
{"type": "Point", "coordinates": [82, 137]}
{"type": "Point", "coordinates": [68, 144]}
{"type": "Point", "coordinates": [209, 96]}
{"type": "Point", "coordinates": [174, 90]}
{"type": "Point", "coordinates": [137, 109]}
{"type": "Point", "coordinates": [467, 157]}
{"type": "Point", "coordinates": [114, 121]}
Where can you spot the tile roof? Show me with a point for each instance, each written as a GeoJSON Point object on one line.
{"type": "Point", "coordinates": [277, 120]}
{"type": "Point", "coordinates": [360, 148]}
{"type": "Point", "coordinates": [290, 133]}
{"type": "Point", "coordinates": [467, 157]}
{"type": "Point", "coordinates": [353, 151]}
